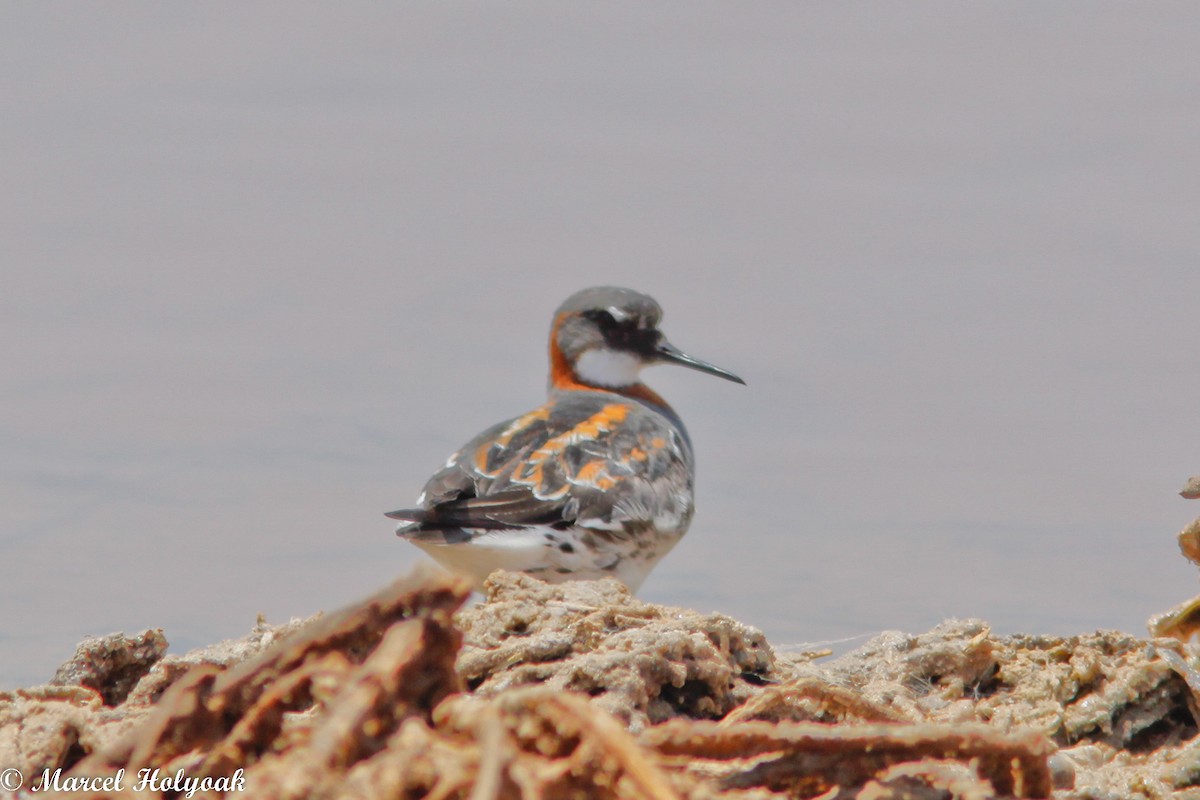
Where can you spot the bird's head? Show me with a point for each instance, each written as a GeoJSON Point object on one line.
{"type": "Point", "coordinates": [602, 337]}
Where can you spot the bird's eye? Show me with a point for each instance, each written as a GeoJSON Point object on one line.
{"type": "Point", "coordinates": [602, 318]}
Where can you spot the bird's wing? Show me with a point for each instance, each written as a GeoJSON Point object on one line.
{"type": "Point", "coordinates": [591, 459]}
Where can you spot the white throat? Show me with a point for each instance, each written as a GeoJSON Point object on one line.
{"type": "Point", "coordinates": [610, 368]}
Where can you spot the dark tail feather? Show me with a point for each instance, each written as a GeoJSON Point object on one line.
{"type": "Point", "coordinates": [498, 512]}
{"type": "Point", "coordinates": [439, 525]}
{"type": "Point", "coordinates": [410, 514]}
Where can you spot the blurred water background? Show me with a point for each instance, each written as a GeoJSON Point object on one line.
{"type": "Point", "coordinates": [266, 265]}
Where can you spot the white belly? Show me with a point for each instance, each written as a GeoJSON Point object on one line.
{"type": "Point", "coordinates": [554, 555]}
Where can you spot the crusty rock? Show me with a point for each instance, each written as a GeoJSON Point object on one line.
{"type": "Point", "coordinates": [642, 662]}
{"type": "Point", "coordinates": [113, 664]}
{"type": "Point", "coordinates": [1183, 621]}
{"type": "Point", "coordinates": [580, 690]}
{"type": "Point", "coordinates": [1191, 490]}
{"type": "Point", "coordinates": [806, 759]}
{"type": "Point", "coordinates": [222, 654]}
{"type": "Point", "coordinates": [41, 727]}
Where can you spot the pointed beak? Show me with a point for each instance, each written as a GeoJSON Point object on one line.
{"type": "Point", "coordinates": [665, 351]}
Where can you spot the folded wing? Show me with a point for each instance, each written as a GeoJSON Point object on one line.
{"type": "Point", "coordinates": [589, 459]}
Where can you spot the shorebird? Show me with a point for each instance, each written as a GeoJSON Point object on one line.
{"type": "Point", "coordinates": [596, 482]}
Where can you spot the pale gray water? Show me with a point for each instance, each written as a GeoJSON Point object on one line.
{"type": "Point", "coordinates": [266, 265]}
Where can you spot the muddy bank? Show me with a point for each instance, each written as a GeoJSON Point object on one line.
{"type": "Point", "coordinates": [581, 690]}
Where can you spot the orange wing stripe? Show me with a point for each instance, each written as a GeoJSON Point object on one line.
{"type": "Point", "coordinates": [604, 420]}
{"type": "Point", "coordinates": [500, 442]}
{"type": "Point", "coordinates": [595, 473]}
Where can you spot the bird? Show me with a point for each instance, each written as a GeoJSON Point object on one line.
{"type": "Point", "coordinates": [596, 482]}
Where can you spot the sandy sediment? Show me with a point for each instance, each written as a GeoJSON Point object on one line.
{"type": "Point", "coordinates": [581, 690]}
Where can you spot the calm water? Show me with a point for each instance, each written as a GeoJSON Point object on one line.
{"type": "Point", "coordinates": [262, 274]}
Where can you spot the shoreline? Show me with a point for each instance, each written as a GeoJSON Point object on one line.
{"type": "Point", "coordinates": [547, 687]}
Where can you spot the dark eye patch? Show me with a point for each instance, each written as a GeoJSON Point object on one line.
{"type": "Point", "coordinates": [625, 335]}
{"type": "Point", "coordinates": [601, 317]}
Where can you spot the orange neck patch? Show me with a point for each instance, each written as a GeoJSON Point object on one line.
{"type": "Point", "coordinates": [640, 391]}
{"type": "Point", "coordinates": [562, 376]}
